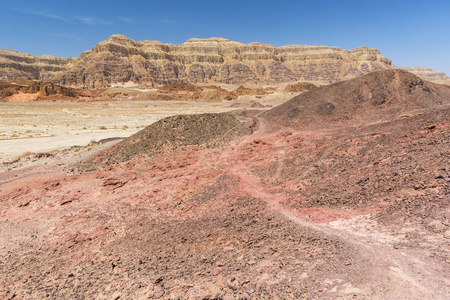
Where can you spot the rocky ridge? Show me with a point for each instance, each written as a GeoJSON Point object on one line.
{"type": "Point", "coordinates": [121, 60]}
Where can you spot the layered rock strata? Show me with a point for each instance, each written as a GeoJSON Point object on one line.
{"type": "Point", "coordinates": [120, 60]}
{"type": "Point", "coordinates": [428, 74]}
{"type": "Point", "coordinates": [14, 64]}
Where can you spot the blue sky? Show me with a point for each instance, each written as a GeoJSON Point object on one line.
{"type": "Point", "coordinates": [411, 33]}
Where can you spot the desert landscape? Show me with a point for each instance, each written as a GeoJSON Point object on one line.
{"type": "Point", "coordinates": [221, 170]}
{"type": "Point", "coordinates": [40, 127]}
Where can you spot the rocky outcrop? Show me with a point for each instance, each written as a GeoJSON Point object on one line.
{"type": "Point", "coordinates": [428, 74]}
{"type": "Point", "coordinates": [120, 60]}
{"type": "Point", "coordinates": [241, 91]}
{"type": "Point", "coordinates": [299, 87]}
{"type": "Point", "coordinates": [41, 89]}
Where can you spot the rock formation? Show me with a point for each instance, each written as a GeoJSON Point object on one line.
{"type": "Point", "coordinates": [15, 64]}
{"type": "Point", "coordinates": [299, 87]}
{"type": "Point", "coordinates": [40, 89]}
{"type": "Point", "coordinates": [119, 60]}
{"type": "Point", "coordinates": [374, 97]}
{"type": "Point", "coordinates": [428, 74]}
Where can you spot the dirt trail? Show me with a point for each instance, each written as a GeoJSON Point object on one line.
{"type": "Point", "coordinates": [398, 273]}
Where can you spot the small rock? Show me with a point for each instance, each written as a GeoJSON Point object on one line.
{"type": "Point", "coordinates": [158, 293]}
{"type": "Point", "coordinates": [244, 296]}
{"type": "Point", "coordinates": [216, 271]}
{"type": "Point", "coordinates": [447, 234]}
{"type": "Point", "coordinates": [228, 297]}
{"type": "Point", "coordinates": [158, 279]}
{"type": "Point", "coordinates": [436, 225]}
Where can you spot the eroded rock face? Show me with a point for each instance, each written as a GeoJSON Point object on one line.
{"type": "Point", "coordinates": [42, 90]}
{"type": "Point", "coordinates": [215, 60]}
{"type": "Point", "coordinates": [14, 64]}
{"type": "Point", "coordinates": [428, 74]}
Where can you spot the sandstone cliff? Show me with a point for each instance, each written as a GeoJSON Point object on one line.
{"type": "Point", "coordinates": [120, 60]}
{"type": "Point", "coordinates": [14, 64]}
{"type": "Point", "coordinates": [428, 74]}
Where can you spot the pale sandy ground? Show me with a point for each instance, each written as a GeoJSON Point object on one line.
{"type": "Point", "coordinates": [32, 127]}
{"type": "Point", "coordinates": [37, 127]}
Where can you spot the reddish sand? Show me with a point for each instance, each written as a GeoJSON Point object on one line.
{"type": "Point", "coordinates": [270, 213]}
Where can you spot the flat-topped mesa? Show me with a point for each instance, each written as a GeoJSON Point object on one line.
{"type": "Point", "coordinates": [428, 74]}
{"type": "Point", "coordinates": [119, 60]}
{"type": "Point", "coordinates": [16, 64]}
{"type": "Point", "coordinates": [118, 44]}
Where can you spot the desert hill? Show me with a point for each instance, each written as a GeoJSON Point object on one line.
{"type": "Point", "coordinates": [261, 206]}
{"type": "Point", "coordinates": [378, 96]}
{"type": "Point", "coordinates": [178, 132]}
{"type": "Point", "coordinates": [121, 60]}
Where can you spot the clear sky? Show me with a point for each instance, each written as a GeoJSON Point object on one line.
{"type": "Point", "coordinates": [410, 32]}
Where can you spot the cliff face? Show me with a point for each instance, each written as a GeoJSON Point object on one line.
{"type": "Point", "coordinates": [216, 60]}
{"type": "Point", "coordinates": [428, 74]}
{"type": "Point", "coordinates": [16, 64]}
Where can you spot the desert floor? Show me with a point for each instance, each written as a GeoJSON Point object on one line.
{"type": "Point", "coordinates": [31, 127]}
{"type": "Point", "coordinates": [234, 206]}
{"type": "Point", "coordinates": [38, 127]}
